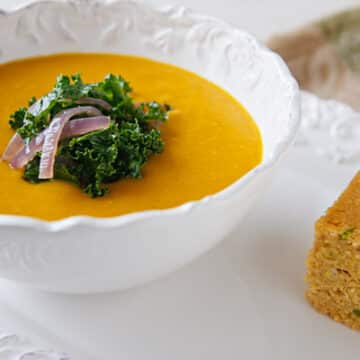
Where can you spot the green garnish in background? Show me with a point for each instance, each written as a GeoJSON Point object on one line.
{"type": "Point", "coordinates": [96, 159]}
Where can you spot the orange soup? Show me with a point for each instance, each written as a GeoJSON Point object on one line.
{"type": "Point", "coordinates": [210, 139]}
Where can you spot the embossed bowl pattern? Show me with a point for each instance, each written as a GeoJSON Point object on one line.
{"type": "Point", "coordinates": [82, 254]}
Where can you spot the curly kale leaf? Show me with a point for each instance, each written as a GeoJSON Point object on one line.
{"type": "Point", "coordinates": [31, 172]}
{"type": "Point", "coordinates": [113, 89]}
{"type": "Point", "coordinates": [67, 90]}
{"type": "Point", "coordinates": [17, 118]}
{"type": "Point", "coordinates": [144, 113]}
{"type": "Point", "coordinates": [96, 159]}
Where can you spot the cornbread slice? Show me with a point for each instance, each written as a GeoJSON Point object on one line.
{"type": "Point", "coordinates": [333, 265]}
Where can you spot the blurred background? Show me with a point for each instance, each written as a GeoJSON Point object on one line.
{"type": "Point", "coordinates": [260, 17]}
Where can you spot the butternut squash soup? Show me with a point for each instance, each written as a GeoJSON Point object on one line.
{"type": "Point", "coordinates": [173, 137]}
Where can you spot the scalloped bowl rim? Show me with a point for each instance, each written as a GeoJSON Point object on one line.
{"type": "Point", "coordinates": [122, 220]}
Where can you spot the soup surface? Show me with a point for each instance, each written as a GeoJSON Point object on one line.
{"type": "Point", "coordinates": [210, 139]}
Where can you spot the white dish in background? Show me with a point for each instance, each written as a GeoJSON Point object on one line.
{"type": "Point", "coordinates": [82, 254]}
{"type": "Point", "coordinates": [246, 14]}
{"type": "Point", "coordinates": [244, 300]}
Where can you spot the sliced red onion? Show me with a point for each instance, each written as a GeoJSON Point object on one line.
{"type": "Point", "coordinates": [83, 126]}
{"type": "Point", "coordinates": [52, 137]}
{"type": "Point", "coordinates": [72, 128]}
{"type": "Point", "coordinates": [93, 101]}
{"type": "Point", "coordinates": [28, 152]}
{"type": "Point", "coordinates": [16, 152]}
{"type": "Point", "coordinates": [15, 145]}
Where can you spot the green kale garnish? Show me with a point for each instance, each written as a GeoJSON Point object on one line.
{"type": "Point", "coordinates": [17, 118]}
{"type": "Point", "coordinates": [356, 312]}
{"type": "Point", "coordinates": [31, 172]}
{"type": "Point", "coordinates": [32, 101]}
{"type": "Point", "coordinates": [67, 90]}
{"type": "Point", "coordinates": [94, 160]}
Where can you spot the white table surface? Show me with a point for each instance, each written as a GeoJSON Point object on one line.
{"type": "Point", "coordinates": [260, 17]}
{"type": "Point", "coordinates": [195, 313]}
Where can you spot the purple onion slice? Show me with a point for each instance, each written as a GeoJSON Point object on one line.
{"type": "Point", "coordinates": [52, 137]}
{"type": "Point", "coordinates": [93, 101]}
{"type": "Point", "coordinates": [73, 128]}
{"type": "Point", "coordinates": [15, 145]}
{"type": "Point", "coordinates": [83, 126]}
{"type": "Point", "coordinates": [28, 152]}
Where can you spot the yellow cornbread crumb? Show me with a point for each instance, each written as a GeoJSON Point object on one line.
{"type": "Point", "coordinates": [333, 264]}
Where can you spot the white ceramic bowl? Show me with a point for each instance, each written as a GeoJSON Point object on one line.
{"type": "Point", "coordinates": [83, 254]}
